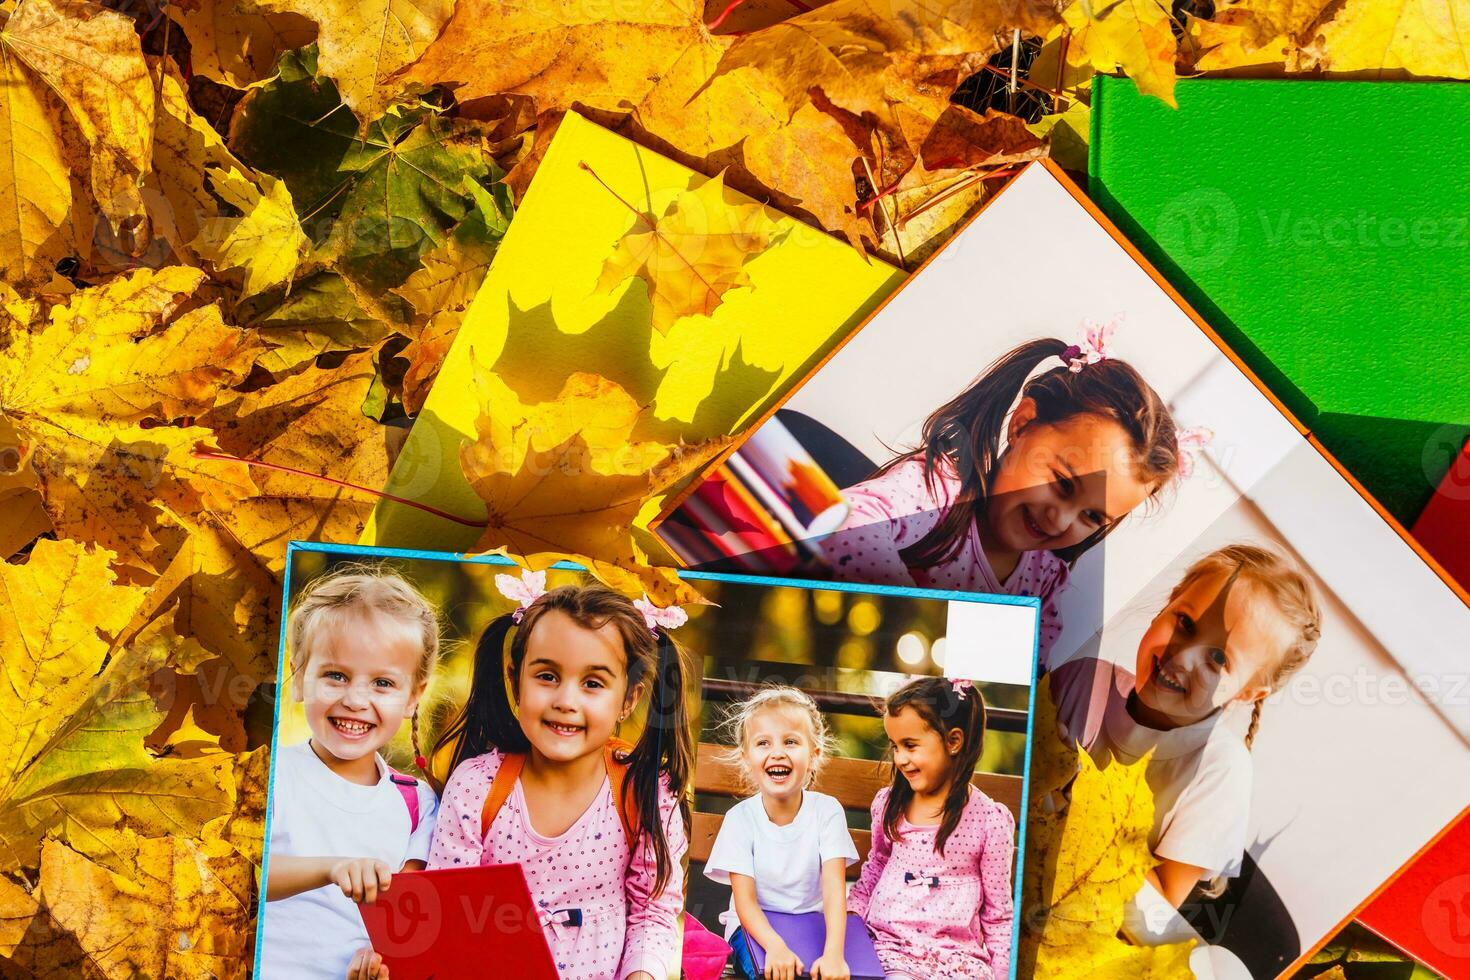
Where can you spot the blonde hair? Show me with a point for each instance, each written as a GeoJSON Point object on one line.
{"type": "Point", "coordinates": [768, 698]}
{"type": "Point", "coordinates": [356, 588]}
{"type": "Point", "coordinates": [1290, 591]}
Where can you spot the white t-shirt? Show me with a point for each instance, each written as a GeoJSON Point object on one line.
{"type": "Point", "coordinates": [786, 862]}
{"type": "Point", "coordinates": [317, 813]}
{"type": "Point", "coordinates": [1200, 776]}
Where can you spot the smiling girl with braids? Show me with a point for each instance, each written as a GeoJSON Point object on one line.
{"type": "Point", "coordinates": [1240, 622]}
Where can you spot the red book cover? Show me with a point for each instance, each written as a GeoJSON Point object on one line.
{"type": "Point", "coordinates": [1426, 910]}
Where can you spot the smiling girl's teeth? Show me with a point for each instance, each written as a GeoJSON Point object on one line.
{"type": "Point", "coordinates": [1169, 680]}
{"type": "Point", "coordinates": [563, 729]}
{"type": "Point", "coordinates": [348, 727]}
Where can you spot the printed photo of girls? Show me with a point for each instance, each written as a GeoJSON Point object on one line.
{"type": "Point", "coordinates": [856, 811]}
{"type": "Point", "coordinates": [474, 763]}
{"type": "Point", "coordinates": [1214, 593]}
{"type": "Point", "coordinates": [539, 720]}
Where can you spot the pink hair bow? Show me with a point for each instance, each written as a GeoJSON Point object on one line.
{"type": "Point", "coordinates": [524, 590]}
{"type": "Point", "coordinates": [670, 619]}
{"type": "Point", "coordinates": [962, 686]}
{"type": "Point", "coordinates": [1094, 346]}
{"type": "Point", "coordinates": [1192, 442]}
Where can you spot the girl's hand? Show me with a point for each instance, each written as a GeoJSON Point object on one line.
{"type": "Point", "coordinates": [640, 975]}
{"type": "Point", "coordinates": [361, 879]}
{"type": "Point", "coordinates": [830, 966]}
{"type": "Point", "coordinates": [367, 965]}
{"type": "Point", "coordinates": [782, 964]}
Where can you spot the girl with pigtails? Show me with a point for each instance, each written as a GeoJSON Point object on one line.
{"type": "Point", "coordinates": [539, 777]}
{"type": "Point", "coordinates": [1039, 459]}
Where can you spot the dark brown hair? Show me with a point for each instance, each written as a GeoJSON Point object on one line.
{"type": "Point", "coordinates": [665, 748]}
{"type": "Point", "coordinates": [943, 709]}
{"type": "Point", "coordinates": [966, 433]}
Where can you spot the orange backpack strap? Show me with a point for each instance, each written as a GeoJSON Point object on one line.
{"type": "Point", "coordinates": [617, 777]}
{"type": "Point", "coordinates": [500, 789]}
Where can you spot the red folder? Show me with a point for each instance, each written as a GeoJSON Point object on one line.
{"type": "Point", "coordinates": [1444, 527]}
{"type": "Point", "coordinates": [1426, 910]}
{"type": "Point", "coordinates": [456, 923]}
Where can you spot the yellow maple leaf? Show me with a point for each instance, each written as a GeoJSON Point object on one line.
{"type": "Point", "coordinates": [364, 42]}
{"type": "Point", "coordinates": [1085, 859]}
{"type": "Point", "coordinates": [195, 177]}
{"type": "Point", "coordinates": [845, 47]}
{"type": "Point", "coordinates": [266, 241]}
{"type": "Point", "coordinates": [181, 912]}
{"type": "Point", "coordinates": [1136, 35]}
{"type": "Point", "coordinates": [222, 598]}
{"type": "Point", "coordinates": [311, 421]}
{"type": "Point", "coordinates": [34, 197]}
{"type": "Point", "coordinates": [655, 75]}
{"type": "Point", "coordinates": [78, 389]}
{"type": "Point", "coordinates": [91, 59]}
{"type": "Point", "coordinates": [691, 255]}
{"type": "Point", "coordinates": [76, 711]}
{"type": "Point", "coordinates": [1399, 38]}
{"type": "Point", "coordinates": [567, 477]}
{"type": "Point", "coordinates": [236, 42]}
{"type": "Point", "coordinates": [18, 907]}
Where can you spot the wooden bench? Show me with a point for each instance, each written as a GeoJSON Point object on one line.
{"type": "Point", "coordinates": [854, 782]}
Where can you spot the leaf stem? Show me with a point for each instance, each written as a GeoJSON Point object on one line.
{"type": "Point", "coordinates": [714, 25]}
{"type": "Point", "coordinates": [426, 508]}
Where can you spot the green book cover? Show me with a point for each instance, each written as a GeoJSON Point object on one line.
{"type": "Point", "coordinates": [1323, 229]}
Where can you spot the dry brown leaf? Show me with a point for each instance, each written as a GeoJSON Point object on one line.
{"type": "Point", "coordinates": [425, 355]}
{"type": "Point", "coordinates": [182, 913]}
{"type": "Point", "coordinates": [924, 210]}
{"type": "Point", "coordinates": [962, 138]}
{"type": "Point", "coordinates": [846, 47]}
{"type": "Point", "coordinates": [652, 75]}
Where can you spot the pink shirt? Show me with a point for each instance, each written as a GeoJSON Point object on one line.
{"type": "Point", "coordinates": [958, 928]}
{"type": "Point", "coordinates": [625, 928]}
{"type": "Point", "coordinates": [895, 510]}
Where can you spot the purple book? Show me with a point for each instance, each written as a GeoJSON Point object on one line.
{"type": "Point", "coordinates": [805, 934]}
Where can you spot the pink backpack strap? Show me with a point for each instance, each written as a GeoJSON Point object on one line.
{"type": "Point", "coordinates": [408, 788]}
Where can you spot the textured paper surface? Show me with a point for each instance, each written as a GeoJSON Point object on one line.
{"type": "Point", "coordinates": [1321, 228]}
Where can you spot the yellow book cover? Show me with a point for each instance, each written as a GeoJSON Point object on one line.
{"type": "Point", "coordinates": [565, 294]}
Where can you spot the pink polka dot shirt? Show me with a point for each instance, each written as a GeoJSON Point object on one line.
{"type": "Point", "coordinates": [941, 917]}
{"type": "Point", "coordinates": [624, 926]}
{"type": "Point", "coordinates": [895, 510]}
